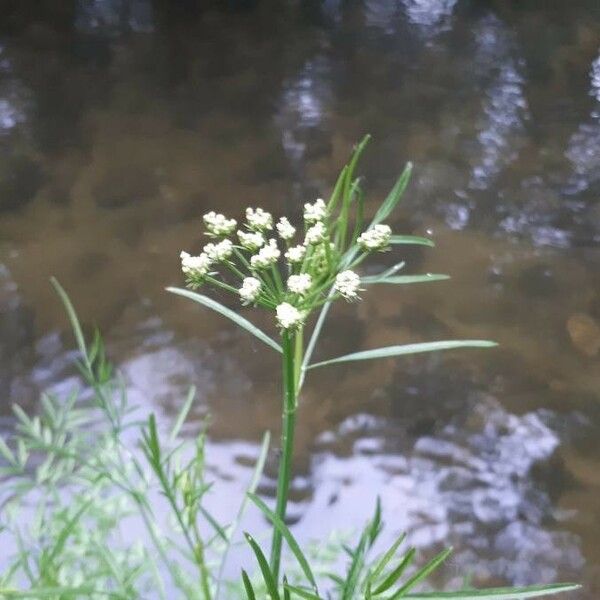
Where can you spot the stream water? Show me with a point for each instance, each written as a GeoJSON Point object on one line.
{"type": "Point", "coordinates": [122, 122]}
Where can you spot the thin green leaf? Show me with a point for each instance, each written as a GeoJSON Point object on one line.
{"type": "Point", "coordinates": [396, 573]}
{"type": "Point", "coordinates": [57, 591]}
{"type": "Point", "coordinates": [183, 413]}
{"type": "Point", "coordinates": [405, 279]}
{"type": "Point", "coordinates": [72, 318]}
{"type": "Point", "coordinates": [213, 522]}
{"type": "Point", "coordinates": [256, 475]}
{"type": "Point", "coordinates": [390, 351]}
{"type": "Point", "coordinates": [298, 591]}
{"type": "Point", "coordinates": [393, 197]}
{"type": "Point", "coordinates": [287, 535]}
{"type": "Point", "coordinates": [6, 452]}
{"type": "Point", "coordinates": [422, 573]}
{"type": "Point", "coordinates": [384, 274]}
{"type": "Point", "coordinates": [535, 591]}
{"type": "Point", "coordinates": [248, 586]}
{"type": "Point", "coordinates": [337, 189]}
{"type": "Point", "coordinates": [414, 240]}
{"type": "Point", "coordinates": [228, 313]}
{"type": "Point", "coordinates": [268, 577]}
{"type": "Point", "coordinates": [381, 564]}
{"type": "Point", "coordinates": [314, 338]}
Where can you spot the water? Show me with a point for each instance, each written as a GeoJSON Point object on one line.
{"type": "Point", "coordinates": [121, 123]}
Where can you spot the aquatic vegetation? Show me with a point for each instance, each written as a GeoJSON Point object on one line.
{"type": "Point", "coordinates": [73, 461]}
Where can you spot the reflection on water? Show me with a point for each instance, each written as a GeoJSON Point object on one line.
{"type": "Point", "coordinates": [123, 121]}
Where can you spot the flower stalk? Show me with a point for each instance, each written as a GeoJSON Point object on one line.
{"type": "Point", "coordinates": [290, 347]}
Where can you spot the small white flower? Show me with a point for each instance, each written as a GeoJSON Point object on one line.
{"type": "Point", "coordinates": [220, 251]}
{"type": "Point", "coordinates": [218, 224]}
{"type": "Point", "coordinates": [315, 212]}
{"type": "Point", "coordinates": [288, 316]}
{"type": "Point", "coordinates": [259, 219]}
{"type": "Point", "coordinates": [347, 284]}
{"type": "Point", "coordinates": [252, 240]}
{"type": "Point", "coordinates": [315, 234]}
{"type": "Point", "coordinates": [285, 229]}
{"type": "Point", "coordinates": [376, 238]}
{"type": "Point", "coordinates": [295, 254]}
{"type": "Point", "coordinates": [299, 284]}
{"type": "Point", "coordinates": [249, 290]}
{"type": "Point", "coordinates": [195, 265]}
{"type": "Point", "coordinates": [267, 256]}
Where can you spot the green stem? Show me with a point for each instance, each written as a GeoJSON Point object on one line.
{"type": "Point", "coordinates": [287, 443]}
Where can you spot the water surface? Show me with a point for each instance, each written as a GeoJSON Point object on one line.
{"type": "Point", "coordinates": [121, 123]}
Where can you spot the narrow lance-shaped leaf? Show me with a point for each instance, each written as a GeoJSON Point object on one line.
{"type": "Point", "coordinates": [535, 591]}
{"type": "Point", "coordinates": [414, 240]}
{"type": "Point", "coordinates": [183, 413]}
{"type": "Point", "coordinates": [248, 586]}
{"type": "Point", "coordinates": [390, 351]}
{"type": "Point", "coordinates": [287, 535]}
{"type": "Point", "coordinates": [393, 197]}
{"type": "Point", "coordinates": [396, 573]}
{"type": "Point", "coordinates": [386, 558]}
{"type": "Point", "coordinates": [228, 313]}
{"type": "Point", "coordinates": [73, 319]}
{"type": "Point", "coordinates": [268, 576]}
{"type": "Point", "coordinates": [405, 279]}
{"type": "Point", "coordinates": [254, 480]}
{"type": "Point", "coordinates": [306, 594]}
{"type": "Point", "coordinates": [384, 274]}
{"type": "Point", "coordinates": [422, 573]}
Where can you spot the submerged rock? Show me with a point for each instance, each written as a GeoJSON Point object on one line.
{"type": "Point", "coordinates": [584, 332]}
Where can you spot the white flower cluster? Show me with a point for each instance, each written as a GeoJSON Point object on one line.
{"type": "Point", "coordinates": [315, 234]}
{"type": "Point", "coordinates": [347, 283]}
{"type": "Point", "coordinates": [376, 238]}
{"type": "Point", "coordinates": [299, 284]}
{"type": "Point", "coordinates": [220, 251]}
{"type": "Point", "coordinates": [311, 266]}
{"type": "Point", "coordinates": [250, 289]}
{"type": "Point", "coordinates": [285, 229]}
{"type": "Point", "coordinates": [252, 240]}
{"type": "Point", "coordinates": [259, 219]}
{"type": "Point", "coordinates": [288, 316]}
{"type": "Point", "coordinates": [315, 212]}
{"type": "Point", "coordinates": [267, 256]}
{"type": "Point", "coordinates": [295, 254]}
{"type": "Point", "coordinates": [217, 224]}
{"type": "Point", "coordinates": [195, 265]}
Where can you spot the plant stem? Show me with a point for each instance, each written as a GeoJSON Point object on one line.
{"type": "Point", "coordinates": [287, 442]}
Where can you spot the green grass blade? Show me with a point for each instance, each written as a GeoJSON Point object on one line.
{"type": "Point", "coordinates": [390, 351]}
{"type": "Point", "coordinates": [289, 538]}
{"type": "Point", "coordinates": [80, 339]}
{"type": "Point", "coordinates": [267, 574]}
{"type": "Point", "coordinates": [256, 475]}
{"type": "Point", "coordinates": [393, 197]}
{"type": "Point", "coordinates": [183, 413]}
{"type": "Point", "coordinates": [396, 573]}
{"type": "Point", "coordinates": [412, 240]}
{"type": "Point", "coordinates": [384, 274]}
{"type": "Point", "coordinates": [57, 592]}
{"type": "Point", "coordinates": [298, 591]}
{"type": "Point", "coordinates": [314, 338]}
{"type": "Point", "coordinates": [248, 586]}
{"type": "Point", "coordinates": [421, 574]}
{"type": "Point", "coordinates": [337, 189]}
{"type": "Point", "coordinates": [381, 564]}
{"type": "Point", "coordinates": [228, 313]}
{"type": "Point", "coordinates": [405, 279]}
{"type": "Point", "coordinates": [535, 591]}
